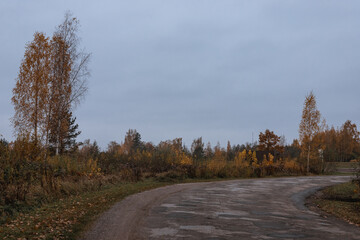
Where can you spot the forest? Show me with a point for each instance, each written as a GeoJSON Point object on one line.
{"type": "Point", "coordinates": [45, 160]}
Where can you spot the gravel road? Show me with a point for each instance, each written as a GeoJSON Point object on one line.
{"type": "Point", "coordinates": [269, 208]}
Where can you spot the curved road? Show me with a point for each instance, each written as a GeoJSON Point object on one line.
{"type": "Point", "coordinates": [271, 208]}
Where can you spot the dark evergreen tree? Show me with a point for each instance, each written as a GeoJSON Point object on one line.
{"type": "Point", "coordinates": [63, 140]}
{"type": "Point", "coordinates": [133, 141]}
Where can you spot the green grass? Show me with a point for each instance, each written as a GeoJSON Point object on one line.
{"type": "Point", "coordinates": [341, 200]}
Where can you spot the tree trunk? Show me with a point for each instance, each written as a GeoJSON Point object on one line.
{"type": "Point", "coordinates": [308, 160]}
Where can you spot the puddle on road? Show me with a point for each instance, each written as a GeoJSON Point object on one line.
{"type": "Point", "coordinates": [168, 205]}
{"type": "Point", "coordinates": [232, 214]}
{"type": "Point", "coordinates": [158, 232]}
{"type": "Point", "coordinates": [199, 228]}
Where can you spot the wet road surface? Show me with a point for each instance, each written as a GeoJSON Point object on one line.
{"type": "Point", "coordinates": [269, 208]}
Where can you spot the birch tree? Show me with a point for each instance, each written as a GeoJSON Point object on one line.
{"type": "Point", "coordinates": [70, 69]}
{"type": "Point", "coordinates": [60, 94]}
{"type": "Point", "coordinates": [309, 125]}
{"type": "Point", "coordinates": [30, 95]}
{"type": "Point", "coordinates": [79, 73]}
{"type": "Point", "coordinates": [51, 82]}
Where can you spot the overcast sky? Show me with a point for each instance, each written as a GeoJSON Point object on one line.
{"type": "Point", "coordinates": [223, 70]}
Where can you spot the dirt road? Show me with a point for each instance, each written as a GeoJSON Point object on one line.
{"type": "Point", "coordinates": [271, 208]}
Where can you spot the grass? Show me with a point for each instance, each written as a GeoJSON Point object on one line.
{"type": "Point", "coordinates": [67, 218]}
{"type": "Point", "coordinates": [341, 168]}
{"type": "Point", "coordinates": [345, 164]}
{"type": "Point", "coordinates": [341, 200]}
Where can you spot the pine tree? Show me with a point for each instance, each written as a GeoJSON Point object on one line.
{"type": "Point", "coordinates": [132, 141]}
{"type": "Point", "coordinates": [65, 141]}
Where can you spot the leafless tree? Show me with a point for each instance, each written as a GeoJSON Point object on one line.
{"type": "Point", "coordinates": [68, 32]}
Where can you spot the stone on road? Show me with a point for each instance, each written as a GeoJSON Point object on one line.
{"type": "Point", "coordinates": [269, 208]}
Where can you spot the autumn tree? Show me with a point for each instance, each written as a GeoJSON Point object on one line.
{"type": "Point", "coordinates": [269, 142]}
{"type": "Point", "coordinates": [132, 141]}
{"type": "Point", "coordinates": [229, 152]}
{"type": "Point", "coordinates": [52, 81]}
{"type": "Point", "coordinates": [31, 93]}
{"type": "Point", "coordinates": [89, 150]}
{"type": "Point", "coordinates": [32, 103]}
{"type": "Point", "coordinates": [208, 152]}
{"type": "Point", "coordinates": [340, 144]}
{"type": "Point", "coordinates": [197, 149]}
{"type": "Point", "coordinates": [330, 144]}
{"type": "Point", "coordinates": [3, 146]}
{"type": "Point", "coordinates": [113, 148]}
{"type": "Point", "coordinates": [309, 125]}
{"type": "Point", "coordinates": [60, 93]}
{"type": "Point", "coordinates": [348, 140]}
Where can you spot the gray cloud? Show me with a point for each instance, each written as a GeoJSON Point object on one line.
{"type": "Point", "coordinates": [218, 69]}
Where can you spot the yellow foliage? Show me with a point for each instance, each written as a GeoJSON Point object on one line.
{"type": "Point", "coordinates": [254, 163]}
{"type": "Point", "coordinates": [92, 168]}
{"type": "Point", "coordinates": [75, 165]}
{"type": "Point", "coordinates": [240, 159]}
{"type": "Point", "coordinates": [291, 165]}
{"type": "Point", "coordinates": [271, 159]}
{"type": "Point", "coordinates": [268, 162]}
{"type": "Point", "coordinates": [254, 158]}
{"type": "Point", "coordinates": [216, 165]}
{"type": "Point", "coordinates": [184, 159]}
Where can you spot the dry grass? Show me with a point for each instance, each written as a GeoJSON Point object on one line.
{"type": "Point", "coordinates": [67, 217]}
{"type": "Point", "coordinates": [341, 200]}
{"type": "Point", "coordinates": [66, 212]}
